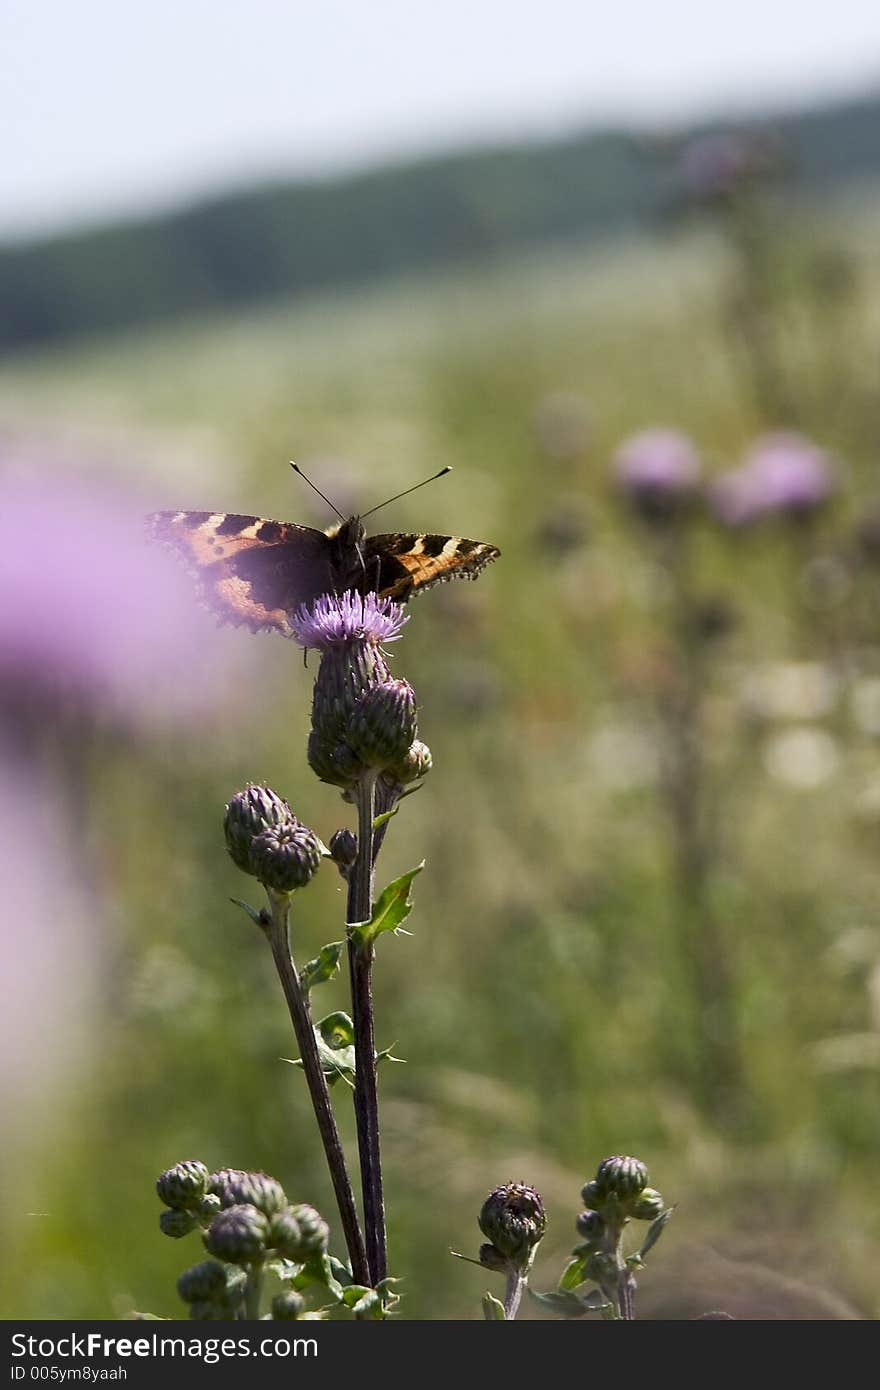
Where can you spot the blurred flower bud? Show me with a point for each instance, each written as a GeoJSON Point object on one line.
{"type": "Point", "coordinates": [647, 1206]}
{"type": "Point", "coordinates": [203, 1282]}
{"type": "Point", "coordinates": [183, 1186]}
{"type": "Point", "coordinates": [591, 1194]}
{"type": "Point", "coordinates": [415, 763]}
{"type": "Point", "coordinates": [333, 760]}
{"type": "Point", "coordinates": [177, 1223]}
{"type": "Point", "coordinates": [591, 1227]}
{"type": "Point", "coordinates": [248, 814]}
{"type": "Point", "coordinates": [383, 726]}
{"type": "Point", "coordinates": [490, 1258]}
{"type": "Point", "coordinates": [658, 472]}
{"type": "Point", "coordinates": [343, 850]}
{"type": "Point", "coordinates": [237, 1187]}
{"type": "Point", "coordinates": [287, 1306]}
{"type": "Point", "coordinates": [285, 857]}
{"type": "Point", "coordinates": [512, 1217]}
{"type": "Point", "coordinates": [298, 1232]}
{"type": "Point", "coordinates": [621, 1176]}
{"type": "Point", "coordinates": [208, 1207]}
{"type": "Point", "coordinates": [238, 1234]}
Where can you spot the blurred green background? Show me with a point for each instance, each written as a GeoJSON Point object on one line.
{"type": "Point", "coordinates": [546, 1003]}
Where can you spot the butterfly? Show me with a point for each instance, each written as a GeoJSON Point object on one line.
{"type": "Point", "coordinates": [255, 572]}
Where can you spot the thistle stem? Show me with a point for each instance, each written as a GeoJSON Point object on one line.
{"type": "Point", "coordinates": [301, 1018]}
{"type": "Point", "coordinates": [513, 1293]}
{"type": "Point", "coordinates": [366, 1098]}
{"type": "Point", "coordinates": [253, 1291]}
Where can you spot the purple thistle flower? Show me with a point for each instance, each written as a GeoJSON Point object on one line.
{"type": "Point", "coordinates": [784, 474]}
{"type": "Point", "coordinates": [658, 470]}
{"type": "Point", "coordinates": [350, 617]}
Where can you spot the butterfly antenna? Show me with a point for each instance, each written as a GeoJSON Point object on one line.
{"type": "Point", "coordinates": [296, 468]}
{"type": "Point", "coordinates": [406, 493]}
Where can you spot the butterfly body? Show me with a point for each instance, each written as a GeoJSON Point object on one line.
{"type": "Point", "coordinates": [256, 572]}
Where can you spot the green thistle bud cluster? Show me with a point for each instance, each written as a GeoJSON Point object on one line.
{"type": "Point", "coordinates": [513, 1220]}
{"type": "Point", "coordinates": [617, 1194]}
{"type": "Point", "coordinates": [247, 1232]}
{"type": "Point", "coordinates": [213, 1291]}
{"type": "Point", "coordinates": [238, 1235]}
{"type": "Point", "coordinates": [298, 1232]}
{"type": "Point", "coordinates": [248, 814]}
{"type": "Point", "coordinates": [265, 839]}
{"type": "Point", "coordinates": [234, 1187]}
{"type": "Point", "coordinates": [363, 720]}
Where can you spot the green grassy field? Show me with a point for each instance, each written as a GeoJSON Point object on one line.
{"type": "Point", "coordinates": [544, 1003]}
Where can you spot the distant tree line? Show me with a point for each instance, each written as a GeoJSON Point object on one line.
{"type": "Point", "coordinates": [293, 238]}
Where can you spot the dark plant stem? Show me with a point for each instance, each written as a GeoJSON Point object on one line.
{"type": "Point", "coordinates": [696, 850]}
{"type": "Point", "coordinates": [366, 1097]}
{"type": "Point", "coordinates": [301, 1018]}
{"type": "Point", "coordinates": [513, 1293]}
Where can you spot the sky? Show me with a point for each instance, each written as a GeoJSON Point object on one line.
{"type": "Point", "coordinates": [109, 109]}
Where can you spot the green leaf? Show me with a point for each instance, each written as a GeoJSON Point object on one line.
{"type": "Point", "coordinates": [493, 1308]}
{"type": "Point", "coordinates": [571, 1305]}
{"type": "Point", "coordinates": [259, 917]}
{"type": "Point", "coordinates": [318, 1270]}
{"type": "Point", "coordinates": [385, 817]}
{"type": "Point", "coordinates": [655, 1231]}
{"type": "Point", "coordinates": [574, 1273]}
{"type": "Point", "coordinates": [341, 1272]}
{"type": "Point", "coordinates": [392, 908]}
{"type": "Point", "coordinates": [322, 968]}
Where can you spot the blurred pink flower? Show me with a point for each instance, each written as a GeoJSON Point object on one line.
{"type": "Point", "coordinates": [658, 470]}
{"type": "Point", "coordinates": [90, 613]}
{"type": "Point", "coordinates": [784, 474]}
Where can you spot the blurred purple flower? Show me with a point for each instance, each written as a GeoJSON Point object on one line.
{"type": "Point", "coordinates": [90, 614]}
{"type": "Point", "coordinates": [719, 165]}
{"type": "Point", "coordinates": [658, 471]}
{"type": "Point", "coordinates": [784, 474]}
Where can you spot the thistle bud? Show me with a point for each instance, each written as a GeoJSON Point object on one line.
{"type": "Point", "coordinates": [287, 1306]}
{"type": "Point", "coordinates": [591, 1194]}
{"type": "Point", "coordinates": [177, 1224]}
{"type": "Point", "coordinates": [238, 1235]}
{"type": "Point", "coordinates": [513, 1219]}
{"type": "Point", "coordinates": [183, 1186]}
{"type": "Point", "coordinates": [343, 850]}
{"type": "Point", "coordinates": [298, 1232]}
{"type": "Point", "coordinates": [647, 1206]}
{"type": "Point", "coordinates": [332, 760]}
{"type": "Point", "coordinates": [248, 814]}
{"type": "Point", "coordinates": [285, 857]}
{"type": "Point", "coordinates": [591, 1227]}
{"type": "Point", "coordinates": [621, 1176]}
{"type": "Point", "coordinates": [490, 1258]}
{"type": "Point", "coordinates": [237, 1187]}
{"type": "Point", "coordinates": [415, 763]}
{"type": "Point", "coordinates": [383, 725]}
{"type": "Point", "coordinates": [208, 1208]}
{"type": "Point", "coordinates": [203, 1282]}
